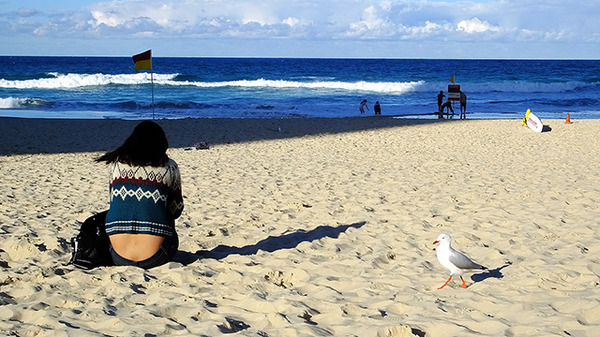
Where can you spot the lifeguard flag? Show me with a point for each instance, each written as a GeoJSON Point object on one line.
{"type": "Point", "coordinates": [143, 60]}
{"type": "Point", "coordinates": [452, 79]}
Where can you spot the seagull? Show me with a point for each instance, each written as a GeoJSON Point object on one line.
{"type": "Point", "coordinates": [457, 262]}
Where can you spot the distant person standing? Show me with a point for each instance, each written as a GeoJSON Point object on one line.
{"type": "Point", "coordinates": [440, 97]}
{"type": "Point", "coordinates": [377, 108]}
{"type": "Point", "coordinates": [362, 106]}
{"type": "Point", "coordinates": [463, 105]}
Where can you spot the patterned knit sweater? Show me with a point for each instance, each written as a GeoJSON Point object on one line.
{"type": "Point", "coordinates": [144, 199]}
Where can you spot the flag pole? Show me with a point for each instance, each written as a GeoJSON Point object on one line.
{"type": "Point", "coordinates": [152, 81]}
{"type": "Point", "coordinates": [143, 61]}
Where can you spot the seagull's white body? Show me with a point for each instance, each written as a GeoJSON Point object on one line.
{"type": "Point", "coordinates": [455, 261]}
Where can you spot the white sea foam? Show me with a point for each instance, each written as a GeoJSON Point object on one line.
{"type": "Point", "coordinates": [381, 87]}
{"type": "Point", "coordinates": [72, 81]}
{"type": "Point", "coordinates": [16, 103]}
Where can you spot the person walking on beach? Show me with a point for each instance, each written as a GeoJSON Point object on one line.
{"type": "Point", "coordinates": [145, 199]}
{"type": "Point", "coordinates": [362, 106]}
{"type": "Point", "coordinates": [377, 108]}
{"type": "Point", "coordinates": [440, 98]}
{"type": "Point", "coordinates": [463, 105]}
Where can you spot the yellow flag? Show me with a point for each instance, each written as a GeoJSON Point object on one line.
{"type": "Point", "coordinates": [143, 60]}
{"type": "Point", "coordinates": [452, 79]}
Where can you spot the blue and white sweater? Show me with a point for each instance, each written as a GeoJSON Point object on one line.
{"type": "Point", "coordinates": [144, 199]}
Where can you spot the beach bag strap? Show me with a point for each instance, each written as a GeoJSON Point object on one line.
{"type": "Point", "coordinates": [91, 247]}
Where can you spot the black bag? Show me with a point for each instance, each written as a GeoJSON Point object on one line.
{"type": "Point", "coordinates": [91, 247]}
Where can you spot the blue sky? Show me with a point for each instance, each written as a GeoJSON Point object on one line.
{"type": "Point", "coordinates": [310, 28]}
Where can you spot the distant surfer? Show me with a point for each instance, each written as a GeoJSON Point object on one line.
{"type": "Point", "coordinates": [377, 108]}
{"type": "Point", "coordinates": [463, 105]}
{"type": "Point", "coordinates": [440, 100]}
{"type": "Point", "coordinates": [362, 106]}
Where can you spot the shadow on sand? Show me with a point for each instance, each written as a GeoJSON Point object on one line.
{"type": "Point", "coordinates": [32, 136]}
{"type": "Point", "coordinates": [495, 273]}
{"type": "Point", "coordinates": [270, 244]}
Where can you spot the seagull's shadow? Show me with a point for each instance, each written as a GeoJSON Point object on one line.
{"type": "Point", "coordinates": [495, 273]}
{"type": "Point", "coordinates": [270, 244]}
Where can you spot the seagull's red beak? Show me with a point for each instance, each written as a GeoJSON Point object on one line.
{"type": "Point", "coordinates": [436, 241]}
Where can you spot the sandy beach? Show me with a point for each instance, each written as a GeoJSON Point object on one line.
{"type": "Point", "coordinates": [313, 227]}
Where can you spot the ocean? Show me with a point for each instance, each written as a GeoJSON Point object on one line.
{"type": "Point", "coordinates": [109, 87]}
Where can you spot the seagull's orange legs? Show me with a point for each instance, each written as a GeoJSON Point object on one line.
{"type": "Point", "coordinates": [447, 282]}
{"type": "Point", "coordinates": [464, 285]}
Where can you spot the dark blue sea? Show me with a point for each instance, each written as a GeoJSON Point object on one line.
{"type": "Point", "coordinates": [108, 87]}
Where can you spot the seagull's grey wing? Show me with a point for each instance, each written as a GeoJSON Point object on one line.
{"type": "Point", "coordinates": [461, 261]}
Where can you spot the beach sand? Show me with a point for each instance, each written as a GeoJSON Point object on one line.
{"type": "Point", "coordinates": [313, 227]}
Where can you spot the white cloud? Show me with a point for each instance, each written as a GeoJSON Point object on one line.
{"type": "Point", "coordinates": [105, 18]}
{"type": "Point", "coordinates": [373, 23]}
{"type": "Point", "coordinates": [292, 22]}
{"type": "Point", "coordinates": [426, 30]}
{"type": "Point", "coordinates": [475, 25]}
{"type": "Point", "coordinates": [302, 21]}
{"type": "Point", "coordinates": [227, 18]}
{"type": "Point", "coordinates": [337, 19]}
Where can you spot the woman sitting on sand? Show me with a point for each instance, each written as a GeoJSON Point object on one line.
{"type": "Point", "coordinates": [145, 199]}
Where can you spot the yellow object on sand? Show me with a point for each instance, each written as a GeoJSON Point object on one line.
{"type": "Point", "coordinates": [526, 116]}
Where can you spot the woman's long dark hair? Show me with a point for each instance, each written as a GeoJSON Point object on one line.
{"type": "Point", "coordinates": [146, 146]}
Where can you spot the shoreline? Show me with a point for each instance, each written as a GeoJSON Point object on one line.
{"type": "Point", "coordinates": [322, 228]}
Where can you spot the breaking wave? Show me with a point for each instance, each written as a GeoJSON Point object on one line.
{"type": "Point", "coordinates": [17, 103]}
{"type": "Point", "coordinates": [75, 81]}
